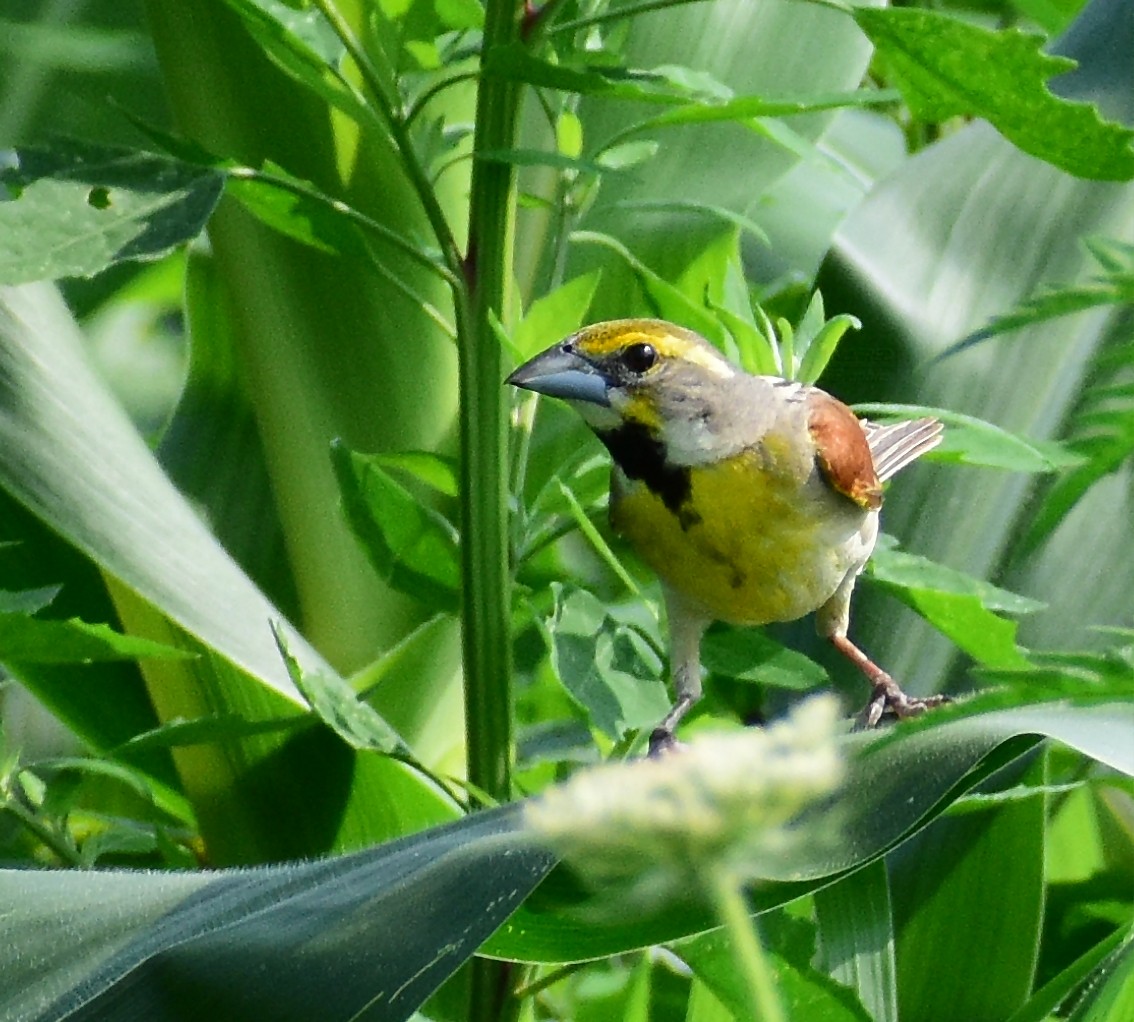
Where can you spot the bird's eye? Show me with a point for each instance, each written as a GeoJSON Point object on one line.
{"type": "Point", "coordinates": [639, 357]}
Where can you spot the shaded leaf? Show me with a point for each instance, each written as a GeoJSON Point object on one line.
{"type": "Point", "coordinates": [963, 874]}
{"type": "Point", "coordinates": [411, 546]}
{"type": "Point", "coordinates": [288, 942]}
{"type": "Point", "coordinates": [302, 44]}
{"type": "Point", "coordinates": [857, 938]}
{"type": "Point", "coordinates": [664, 84]}
{"type": "Point", "coordinates": [77, 208]}
{"type": "Point", "coordinates": [946, 67]}
{"type": "Point", "coordinates": [747, 654]}
{"type": "Point", "coordinates": [804, 991]}
{"type": "Point", "coordinates": [339, 707]}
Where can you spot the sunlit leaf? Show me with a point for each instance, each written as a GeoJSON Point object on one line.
{"type": "Point", "coordinates": [608, 668]}
{"type": "Point", "coordinates": [947, 67]}
{"type": "Point", "coordinates": [77, 208]}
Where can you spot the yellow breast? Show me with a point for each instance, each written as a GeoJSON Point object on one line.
{"type": "Point", "coordinates": [751, 544]}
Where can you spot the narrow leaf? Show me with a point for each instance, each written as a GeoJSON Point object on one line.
{"type": "Point", "coordinates": [972, 441]}
{"type": "Point", "coordinates": [31, 640]}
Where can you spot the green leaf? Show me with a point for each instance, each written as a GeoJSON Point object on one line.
{"type": "Point", "coordinates": [820, 348]}
{"type": "Point", "coordinates": [962, 875]}
{"type": "Point", "coordinates": [555, 315]}
{"type": "Point", "coordinates": [608, 668]}
{"type": "Point", "coordinates": [368, 934]}
{"type": "Point", "coordinates": [26, 639]}
{"type": "Point", "coordinates": [805, 992]}
{"type": "Point", "coordinates": [411, 546]}
{"type": "Point", "coordinates": [749, 108]}
{"type": "Point", "coordinates": [1111, 998]}
{"type": "Point", "coordinates": [337, 704]}
{"type": "Point", "coordinates": [1079, 975]}
{"type": "Point", "coordinates": [296, 213]}
{"type": "Point", "coordinates": [27, 601]}
{"type": "Point", "coordinates": [747, 654]}
{"type": "Point", "coordinates": [857, 938]}
{"type": "Point", "coordinates": [77, 208]}
{"type": "Point", "coordinates": [669, 302]}
{"type": "Point", "coordinates": [544, 158]}
{"type": "Point", "coordinates": [460, 15]}
{"type": "Point", "coordinates": [437, 472]}
{"type": "Point", "coordinates": [897, 568]}
{"type": "Point", "coordinates": [972, 441]}
{"type": "Point", "coordinates": [303, 45]}
{"type": "Point", "coordinates": [988, 639]}
{"type": "Point", "coordinates": [898, 781]}
{"type": "Point", "coordinates": [946, 67]}
{"type": "Point", "coordinates": [663, 84]}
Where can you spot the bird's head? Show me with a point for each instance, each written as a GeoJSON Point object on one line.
{"type": "Point", "coordinates": [644, 372]}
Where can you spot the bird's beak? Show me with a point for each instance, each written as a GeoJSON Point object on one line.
{"type": "Point", "coordinates": [559, 372]}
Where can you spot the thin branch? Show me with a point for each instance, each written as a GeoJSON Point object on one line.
{"type": "Point", "coordinates": [399, 132]}
{"type": "Point", "coordinates": [380, 230]}
{"type": "Point", "coordinates": [436, 88]}
{"type": "Point", "coordinates": [620, 14]}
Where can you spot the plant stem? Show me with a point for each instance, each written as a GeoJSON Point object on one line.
{"type": "Point", "coordinates": [486, 579]}
{"type": "Point", "coordinates": [747, 950]}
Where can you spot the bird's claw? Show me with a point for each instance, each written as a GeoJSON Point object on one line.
{"type": "Point", "coordinates": [888, 699]}
{"type": "Point", "coordinates": [663, 742]}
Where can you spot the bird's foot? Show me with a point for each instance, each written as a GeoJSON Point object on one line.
{"type": "Point", "coordinates": [888, 699]}
{"type": "Point", "coordinates": [663, 742]}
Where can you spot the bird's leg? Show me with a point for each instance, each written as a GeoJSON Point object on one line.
{"type": "Point", "coordinates": [685, 631]}
{"type": "Point", "coordinates": [887, 694]}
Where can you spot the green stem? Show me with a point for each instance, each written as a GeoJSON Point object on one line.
{"type": "Point", "coordinates": [617, 14]}
{"type": "Point", "coordinates": [398, 127]}
{"type": "Point", "coordinates": [486, 578]}
{"type": "Point", "coordinates": [59, 843]}
{"type": "Point", "coordinates": [747, 950]}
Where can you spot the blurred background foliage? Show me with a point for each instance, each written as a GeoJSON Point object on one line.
{"type": "Point", "coordinates": [987, 282]}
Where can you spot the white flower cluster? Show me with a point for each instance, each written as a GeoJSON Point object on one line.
{"type": "Point", "coordinates": [723, 801]}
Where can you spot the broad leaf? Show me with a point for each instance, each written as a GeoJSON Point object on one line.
{"type": "Point", "coordinates": [77, 208]}
{"type": "Point", "coordinates": [608, 668]}
{"type": "Point", "coordinates": [412, 546]}
{"type": "Point", "coordinates": [899, 780]}
{"type": "Point", "coordinates": [947, 67]}
{"type": "Point", "coordinates": [368, 935]}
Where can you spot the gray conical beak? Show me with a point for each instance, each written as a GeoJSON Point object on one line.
{"type": "Point", "coordinates": [558, 372]}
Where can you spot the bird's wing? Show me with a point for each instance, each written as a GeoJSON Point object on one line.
{"type": "Point", "coordinates": [894, 445]}
{"type": "Point", "coordinates": [842, 450]}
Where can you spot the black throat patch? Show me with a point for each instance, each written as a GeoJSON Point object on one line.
{"type": "Point", "coordinates": [642, 456]}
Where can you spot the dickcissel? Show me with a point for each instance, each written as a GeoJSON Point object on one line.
{"type": "Point", "coordinates": [755, 499]}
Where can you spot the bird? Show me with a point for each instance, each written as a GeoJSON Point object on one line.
{"type": "Point", "coordinates": [755, 499]}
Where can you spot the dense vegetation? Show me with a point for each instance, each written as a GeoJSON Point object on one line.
{"type": "Point", "coordinates": [288, 577]}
